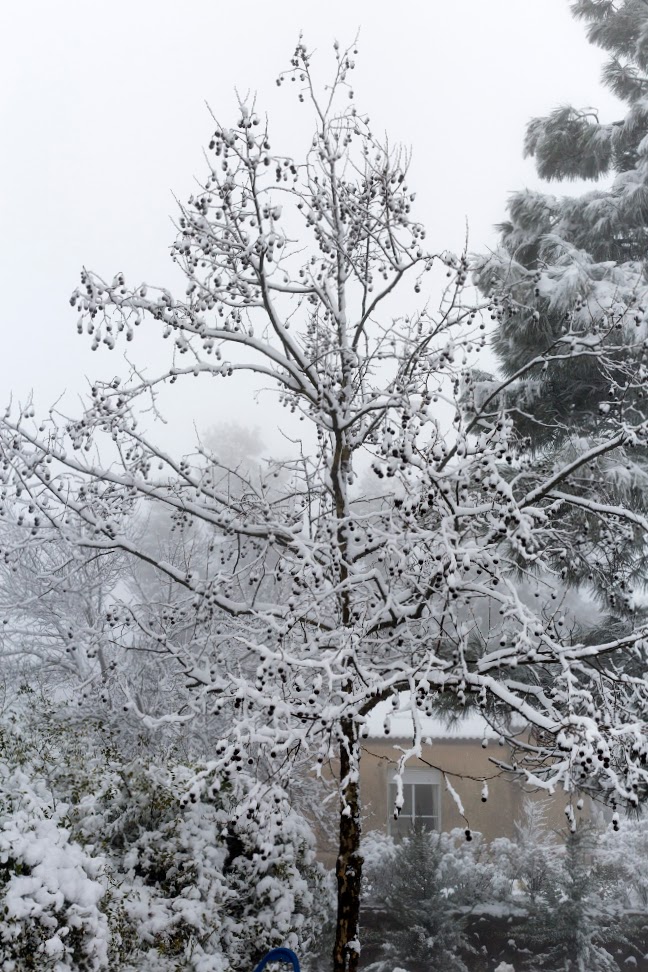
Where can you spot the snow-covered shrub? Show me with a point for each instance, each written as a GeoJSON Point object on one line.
{"type": "Point", "coordinates": [577, 922]}
{"type": "Point", "coordinates": [278, 894]}
{"type": "Point", "coordinates": [471, 871]}
{"type": "Point", "coordinates": [421, 884]}
{"type": "Point", "coordinates": [378, 850]}
{"type": "Point", "coordinates": [105, 862]}
{"type": "Point", "coordinates": [165, 861]}
{"type": "Point", "coordinates": [205, 874]}
{"type": "Point", "coordinates": [51, 889]}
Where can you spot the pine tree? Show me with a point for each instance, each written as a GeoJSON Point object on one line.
{"type": "Point", "coordinates": [576, 927]}
{"type": "Point", "coordinates": [577, 264]}
{"type": "Point", "coordinates": [417, 893]}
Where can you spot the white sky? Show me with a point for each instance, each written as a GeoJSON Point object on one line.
{"type": "Point", "coordinates": [102, 114]}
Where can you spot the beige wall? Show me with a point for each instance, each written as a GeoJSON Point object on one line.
{"type": "Point", "coordinates": [467, 763]}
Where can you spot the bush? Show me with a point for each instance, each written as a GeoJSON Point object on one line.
{"type": "Point", "coordinates": [541, 901]}
{"type": "Point", "coordinates": [51, 889]}
{"type": "Point", "coordinates": [109, 865]}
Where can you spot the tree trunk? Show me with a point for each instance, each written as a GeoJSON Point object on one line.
{"type": "Point", "coordinates": [348, 870]}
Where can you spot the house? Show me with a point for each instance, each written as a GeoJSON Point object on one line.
{"type": "Point", "coordinates": [454, 784]}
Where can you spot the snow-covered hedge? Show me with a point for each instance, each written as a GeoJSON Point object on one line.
{"type": "Point", "coordinates": [105, 863]}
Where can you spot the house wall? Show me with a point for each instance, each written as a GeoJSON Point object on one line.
{"type": "Point", "coordinates": [467, 764]}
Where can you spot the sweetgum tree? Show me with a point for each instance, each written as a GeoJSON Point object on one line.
{"type": "Point", "coordinates": [310, 602]}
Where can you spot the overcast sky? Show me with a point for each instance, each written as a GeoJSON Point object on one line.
{"type": "Point", "coordinates": [103, 117]}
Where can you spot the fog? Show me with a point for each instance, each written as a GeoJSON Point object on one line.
{"type": "Point", "coordinates": [103, 112]}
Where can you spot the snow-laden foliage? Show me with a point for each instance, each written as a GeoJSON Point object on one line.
{"type": "Point", "coordinates": [530, 860]}
{"type": "Point", "coordinates": [576, 924]}
{"type": "Point", "coordinates": [201, 874]}
{"type": "Point", "coordinates": [104, 865]}
{"type": "Point", "coordinates": [412, 886]}
{"type": "Point", "coordinates": [544, 901]}
{"type": "Point", "coordinates": [302, 599]}
{"type": "Point", "coordinates": [427, 886]}
{"type": "Point", "coordinates": [621, 852]}
{"type": "Point", "coordinates": [578, 263]}
{"type": "Point", "coordinates": [51, 889]}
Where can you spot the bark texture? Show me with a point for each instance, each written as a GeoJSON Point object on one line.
{"type": "Point", "coordinates": [346, 951]}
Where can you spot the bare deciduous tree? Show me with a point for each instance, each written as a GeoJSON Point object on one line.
{"type": "Point", "coordinates": [310, 604]}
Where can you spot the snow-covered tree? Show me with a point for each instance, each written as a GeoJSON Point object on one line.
{"type": "Point", "coordinates": [417, 891]}
{"type": "Point", "coordinates": [579, 261]}
{"type": "Point", "coordinates": [582, 258]}
{"type": "Point", "coordinates": [546, 900]}
{"type": "Point", "coordinates": [53, 607]}
{"type": "Point", "coordinates": [308, 605]}
{"type": "Point", "coordinates": [59, 639]}
{"type": "Point", "coordinates": [577, 925]}
{"type": "Point", "coordinates": [532, 855]}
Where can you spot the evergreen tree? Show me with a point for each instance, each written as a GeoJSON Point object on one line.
{"type": "Point", "coordinates": [534, 863]}
{"type": "Point", "coordinates": [575, 270]}
{"type": "Point", "coordinates": [576, 927]}
{"type": "Point", "coordinates": [416, 891]}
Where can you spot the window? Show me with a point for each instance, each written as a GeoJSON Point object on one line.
{"type": "Point", "coordinates": [421, 802]}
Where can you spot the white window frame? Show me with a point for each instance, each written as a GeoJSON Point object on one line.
{"type": "Point", "coordinates": [413, 776]}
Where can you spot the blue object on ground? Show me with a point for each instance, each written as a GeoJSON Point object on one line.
{"type": "Point", "coordinates": [279, 955]}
